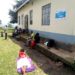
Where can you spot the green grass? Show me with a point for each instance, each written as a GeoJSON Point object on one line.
{"type": "Point", "coordinates": [10, 30]}
{"type": "Point", "coordinates": [8, 55]}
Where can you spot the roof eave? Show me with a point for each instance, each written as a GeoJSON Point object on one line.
{"type": "Point", "coordinates": [22, 5]}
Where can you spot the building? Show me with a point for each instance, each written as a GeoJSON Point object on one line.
{"type": "Point", "coordinates": [51, 18]}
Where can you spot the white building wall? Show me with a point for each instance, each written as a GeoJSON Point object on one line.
{"type": "Point", "coordinates": [64, 26]}
{"type": "Point", "coordinates": [24, 11]}
{"type": "Point", "coordinates": [37, 15]}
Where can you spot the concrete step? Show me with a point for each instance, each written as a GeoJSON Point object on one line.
{"type": "Point", "coordinates": [58, 55]}
{"type": "Point", "coordinates": [55, 54]}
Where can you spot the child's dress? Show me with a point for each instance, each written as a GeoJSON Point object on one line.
{"type": "Point", "coordinates": [25, 62]}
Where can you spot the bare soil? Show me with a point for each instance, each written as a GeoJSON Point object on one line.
{"type": "Point", "coordinates": [47, 65]}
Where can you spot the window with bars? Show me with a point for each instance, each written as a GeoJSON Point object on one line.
{"type": "Point", "coordinates": [22, 19]}
{"type": "Point", "coordinates": [19, 20]}
{"type": "Point", "coordinates": [46, 14]}
{"type": "Point", "coordinates": [31, 17]}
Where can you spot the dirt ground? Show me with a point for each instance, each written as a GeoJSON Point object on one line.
{"type": "Point", "coordinates": [48, 66]}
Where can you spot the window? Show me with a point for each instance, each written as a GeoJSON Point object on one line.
{"type": "Point", "coordinates": [31, 17]}
{"type": "Point", "coordinates": [22, 19]}
{"type": "Point", "coordinates": [19, 20]}
{"type": "Point", "coordinates": [46, 14]}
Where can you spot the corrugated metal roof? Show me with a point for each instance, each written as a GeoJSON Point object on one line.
{"type": "Point", "coordinates": [22, 5]}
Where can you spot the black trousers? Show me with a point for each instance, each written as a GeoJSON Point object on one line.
{"type": "Point", "coordinates": [5, 35]}
{"type": "Point", "coordinates": [1, 34]}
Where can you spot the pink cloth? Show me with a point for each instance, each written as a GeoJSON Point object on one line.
{"type": "Point", "coordinates": [28, 69]}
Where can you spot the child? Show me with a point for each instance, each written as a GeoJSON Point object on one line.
{"type": "Point", "coordinates": [24, 64]}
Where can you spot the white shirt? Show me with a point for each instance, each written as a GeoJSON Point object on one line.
{"type": "Point", "coordinates": [5, 29]}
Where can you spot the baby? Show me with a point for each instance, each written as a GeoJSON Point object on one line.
{"type": "Point", "coordinates": [24, 64]}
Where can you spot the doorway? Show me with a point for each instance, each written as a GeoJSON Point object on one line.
{"type": "Point", "coordinates": [26, 23]}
